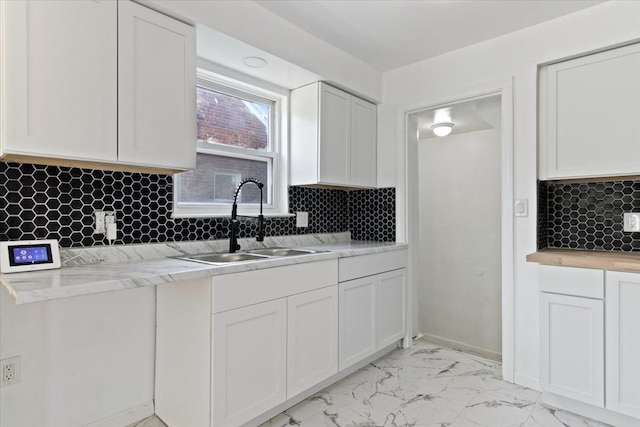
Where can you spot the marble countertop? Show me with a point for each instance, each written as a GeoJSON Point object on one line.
{"type": "Point", "coordinates": [615, 261]}
{"type": "Point", "coordinates": [135, 266]}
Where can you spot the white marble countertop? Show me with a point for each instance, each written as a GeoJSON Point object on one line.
{"type": "Point", "coordinates": [145, 270]}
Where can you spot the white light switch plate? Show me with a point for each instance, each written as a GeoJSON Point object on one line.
{"type": "Point", "coordinates": [521, 207]}
{"type": "Point", "coordinates": [302, 219]}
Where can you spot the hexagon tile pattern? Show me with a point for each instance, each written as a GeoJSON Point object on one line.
{"type": "Point", "coordinates": [589, 215]}
{"type": "Point", "coordinates": [38, 202]}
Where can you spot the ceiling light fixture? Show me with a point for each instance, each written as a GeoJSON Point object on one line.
{"type": "Point", "coordinates": [442, 129]}
{"type": "Point", "coordinates": [254, 62]}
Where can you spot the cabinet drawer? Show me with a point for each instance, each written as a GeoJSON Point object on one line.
{"type": "Point", "coordinates": [242, 289]}
{"type": "Point", "coordinates": [367, 265]}
{"type": "Point", "coordinates": [582, 282]}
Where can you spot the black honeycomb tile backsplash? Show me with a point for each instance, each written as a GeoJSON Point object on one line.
{"type": "Point", "coordinates": [587, 215]}
{"type": "Point", "coordinates": [53, 202]}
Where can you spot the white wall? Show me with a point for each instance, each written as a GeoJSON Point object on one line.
{"type": "Point", "coordinates": [250, 23]}
{"type": "Point", "coordinates": [516, 56]}
{"type": "Point", "coordinates": [459, 276]}
{"type": "Point", "coordinates": [83, 358]}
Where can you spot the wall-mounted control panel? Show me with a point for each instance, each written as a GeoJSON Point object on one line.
{"type": "Point", "coordinates": [29, 255]}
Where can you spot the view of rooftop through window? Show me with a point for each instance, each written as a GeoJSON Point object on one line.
{"type": "Point", "coordinates": [234, 143]}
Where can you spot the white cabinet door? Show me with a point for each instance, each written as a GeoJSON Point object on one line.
{"type": "Point", "coordinates": [156, 89]}
{"type": "Point", "coordinates": [357, 320]}
{"type": "Point", "coordinates": [592, 110]}
{"type": "Point", "coordinates": [391, 306]}
{"type": "Point", "coordinates": [312, 333]}
{"type": "Point", "coordinates": [363, 156]}
{"type": "Point", "coordinates": [335, 110]}
{"type": "Point", "coordinates": [60, 79]}
{"type": "Point", "coordinates": [249, 362]}
{"type": "Point", "coordinates": [623, 342]}
{"type": "Point", "coordinates": [572, 347]}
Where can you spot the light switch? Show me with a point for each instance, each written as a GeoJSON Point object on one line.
{"type": "Point", "coordinates": [521, 207]}
{"type": "Point", "coordinates": [302, 219]}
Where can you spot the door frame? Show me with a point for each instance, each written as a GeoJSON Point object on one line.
{"type": "Point", "coordinates": [408, 203]}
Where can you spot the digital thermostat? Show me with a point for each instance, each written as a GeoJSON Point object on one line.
{"type": "Point", "coordinates": [29, 255]}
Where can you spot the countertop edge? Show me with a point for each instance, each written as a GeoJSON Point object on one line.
{"type": "Point", "coordinates": [614, 261]}
{"type": "Point", "coordinates": [181, 270]}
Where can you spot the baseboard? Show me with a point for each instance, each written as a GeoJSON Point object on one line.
{"type": "Point", "coordinates": [126, 417]}
{"type": "Point", "coordinates": [467, 348]}
{"type": "Point", "coordinates": [589, 411]}
{"type": "Point", "coordinates": [527, 381]}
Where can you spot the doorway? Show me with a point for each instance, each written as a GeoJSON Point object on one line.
{"type": "Point", "coordinates": [459, 284]}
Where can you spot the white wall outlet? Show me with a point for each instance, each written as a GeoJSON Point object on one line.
{"type": "Point", "coordinates": [302, 219]}
{"type": "Point", "coordinates": [632, 221]}
{"type": "Point", "coordinates": [101, 221]}
{"type": "Point", "coordinates": [10, 370]}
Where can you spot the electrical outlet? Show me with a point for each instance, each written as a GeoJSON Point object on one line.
{"type": "Point", "coordinates": [302, 219]}
{"type": "Point", "coordinates": [631, 221]}
{"type": "Point", "coordinates": [10, 369]}
{"type": "Point", "coordinates": [102, 218]}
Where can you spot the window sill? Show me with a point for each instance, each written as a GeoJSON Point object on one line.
{"type": "Point", "coordinates": [228, 215]}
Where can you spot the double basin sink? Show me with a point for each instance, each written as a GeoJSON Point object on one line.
{"type": "Point", "coordinates": [252, 255]}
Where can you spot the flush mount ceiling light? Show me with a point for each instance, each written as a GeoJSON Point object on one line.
{"type": "Point", "coordinates": [254, 62]}
{"type": "Point", "coordinates": [442, 129]}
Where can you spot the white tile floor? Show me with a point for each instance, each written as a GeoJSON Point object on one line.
{"type": "Point", "coordinates": [426, 386]}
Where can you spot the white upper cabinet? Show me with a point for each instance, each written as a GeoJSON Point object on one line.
{"type": "Point", "coordinates": [156, 89]}
{"type": "Point", "coordinates": [98, 84]}
{"type": "Point", "coordinates": [59, 91]}
{"type": "Point", "coordinates": [333, 138]}
{"type": "Point", "coordinates": [589, 113]}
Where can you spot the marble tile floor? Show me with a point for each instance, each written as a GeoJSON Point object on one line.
{"type": "Point", "coordinates": [424, 386]}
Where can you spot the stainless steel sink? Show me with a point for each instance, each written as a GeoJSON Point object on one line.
{"type": "Point", "coordinates": [281, 252]}
{"type": "Point", "coordinates": [218, 258]}
{"type": "Point", "coordinates": [252, 255]}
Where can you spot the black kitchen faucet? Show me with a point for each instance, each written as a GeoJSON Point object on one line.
{"type": "Point", "coordinates": [235, 224]}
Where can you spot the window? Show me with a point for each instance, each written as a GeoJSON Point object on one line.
{"type": "Point", "coordinates": [239, 133]}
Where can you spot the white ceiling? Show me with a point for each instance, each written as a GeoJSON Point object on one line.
{"type": "Point", "coordinates": [389, 34]}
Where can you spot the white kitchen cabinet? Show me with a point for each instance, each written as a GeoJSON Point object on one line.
{"type": "Point", "coordinates": [589, 115]}
{"type": "Point", "coordinates": [312, 338]}
{"type": "Point", "coordinates": [59, 91]}
{"type": "Point", "coordinates": [373, 293]}
{"type": "Point", "coordinates": [75, 94]}
{"type": "Point", "coordinates": [358, 320]}
{"type": "Point", "coordinates": [623, 342]}
{"type": "Point", "coordinates": [156, 89]}
{"type": "Point", "coordinates": [363, 155]}
{"type": "Point", "coordinates": [249, 373]}
{"type": "Point", "coordinates": [572, 347]}
{"type": "Point", "coordinates": [391, 295]}
{"type": "Point", "coordinates": [333, 138]}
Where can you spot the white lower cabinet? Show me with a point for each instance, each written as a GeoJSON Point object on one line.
{"type": "Point", "coordinates": [590, 339]}
{"type": "Point", "coordinates": [312, 338]}
{"type": "Point", "coordinates": [623, 342]}
{"type": "Point", "coordinates": [234, 349]}
{"type": "Point", "coordinates": [573, 347]}
{"type": "Point", "coordinates": [249, 361]}
{"type": "Point", "coordinates": [358, 320]}
{"type": "Point", "coordinates": [373, 292]}
{"type": "Point", "coordinates": [392, 290]}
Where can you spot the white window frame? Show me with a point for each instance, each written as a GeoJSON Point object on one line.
{"type": "Point", "coordinates": [278, 152]}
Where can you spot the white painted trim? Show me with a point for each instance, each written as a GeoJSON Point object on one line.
{"type": "Point", "coordinates": [407, 201]}
{"type": "Point", "coordinates": [126, 417]}
{"type": "Point", "coordinates": [527, 381]}
{"type": "Point", "coordinates": [471, 349]}
{"type": "Point", "coordinates": [589, 411]}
